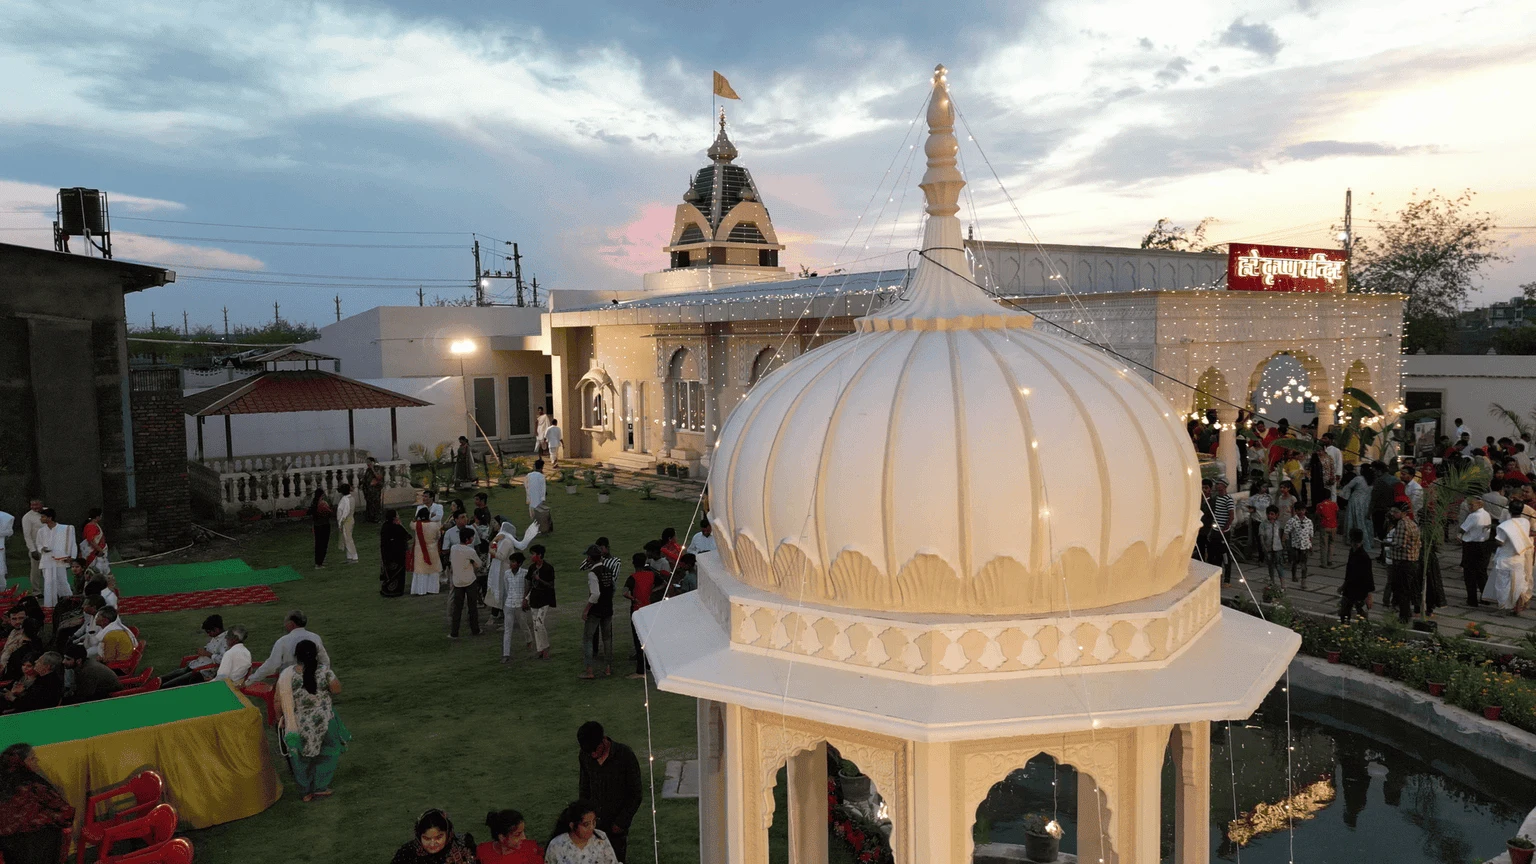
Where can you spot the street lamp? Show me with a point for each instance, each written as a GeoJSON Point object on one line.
{"type": "Point", "coordinates": [459, 348]}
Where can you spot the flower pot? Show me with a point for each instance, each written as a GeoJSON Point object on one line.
{"type": "Point", "coordinates": [671, 470]}
{"type": "Point", "coordinates": [1436, 689]}
{"type": "Point", "coordinates": [682, 472]}
{"type": "Point", "coordinates": [1379, 668]}
{"type": "Point", "coordinates": [1520, 856]}
{"type": "Point", "coordinates": [570, 490]}
{"type": "Point", "coordinates": [1042, 848]}
{"type": "Point", "coordinates": [602, 497]}
{"type": "Point", "coordinates": [1333, 656]}
{"type": "Point", "coordinates": [661, 470]}
{"type": "Point", "coordinates": [1492, 712]}
{"type": "Point", "coordinates": [856, 788]}
{"type": "Point", "coordinates": [296, 514]}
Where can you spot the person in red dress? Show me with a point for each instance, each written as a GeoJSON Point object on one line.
{"type": "Point", "coordinates": [511, 844]}
{"type": "Point", "coordinates": [33, 813]}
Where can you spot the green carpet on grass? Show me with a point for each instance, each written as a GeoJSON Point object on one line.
{"type": "Point", "coordinates": [184, 571]}
{"type": "Point", "coordinates": [134, 583]}
{"type": "Point", "coordinates": [120, 714]}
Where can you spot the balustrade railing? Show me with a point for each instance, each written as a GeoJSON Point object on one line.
{"type": "Point", "coordinates": [287, 481]}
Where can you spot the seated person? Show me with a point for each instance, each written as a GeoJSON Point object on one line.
{"type": "Point", "coordinates": [87, 679]}
{"type": "Point", "coordinates": [296, 631]}
{"type": "Point", "coordinates": [103, 585]}
{"type": "Point", "coordinates": [67, 621]}
{"type": "Point", "coordinates": [687, 576]}
{"type": "Point", "coordinates": [203, 666]}
{"type": "Point", "coordinates": [15, 635]}
{"type": "Point", "coordinates": [24, 643]}
{"type": "Point", "coordinates": [41, 686]}
{"type": "Point", "coordinates": [235, 665]}
{"type": "Point", "coordinates": [114, 642]}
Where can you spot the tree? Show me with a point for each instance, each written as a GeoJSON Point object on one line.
{"type": "Point", "coordinates": [1432, 252]}
{"type": "Point", "coordinates": [1176, 238]}
{"type": "Point", "coordinates": [1515, 340]}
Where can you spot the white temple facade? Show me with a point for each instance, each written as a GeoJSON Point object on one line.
{"type": "Point", "coordinates": [920, 564]}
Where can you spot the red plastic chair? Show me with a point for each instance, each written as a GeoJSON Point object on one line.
{"type": "Point", "coordinates": [104, 809]}
{"type": "Point", "coordinates": [136, 680]}
{"type": "Point", "coordinates": [266, 694]}
{"type": "Point", "coordinates": [156, 828]}
{"type": "Point", "coordinates": [127, 667]}
{"type": "Point", "coordinates": [149, 686]}
{"type": "Point", "coordinates": [188, 659]}
{"type": "Point", "coordinates": [175, 851]}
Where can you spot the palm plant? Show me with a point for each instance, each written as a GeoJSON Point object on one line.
{"type": "Point", "coordinates": [1442, 500]}
{"type": "Point", "coordinates": [1512, 417]}
{"type": "Point", "coordinates": [438, 461]}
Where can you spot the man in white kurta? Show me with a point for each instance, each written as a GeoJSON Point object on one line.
{"type": "Point", "coordinates": [31, 521]}
{"type": "Point", "coordinates": [540, 427]}
{"type": "Point", "coordinates": [553, 436]}
{"type": "Point", "coordinates": [346, 512]}
{"type": "Point", "coordinates": [56, 542]}
{"type": "Point", "coordinates": [535, 487]}
{"type": "Point", "coordinates": [1511, 577]}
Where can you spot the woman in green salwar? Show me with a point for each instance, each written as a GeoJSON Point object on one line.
{"type": "Point", "coordinates": [314, 735]}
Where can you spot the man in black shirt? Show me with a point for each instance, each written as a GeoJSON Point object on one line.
{"type": "Point", "coordinates": [540, 598]}
{"type": "Point", "coordinates": [610, 779]}
{"type": "Point", "coordinates": [597, 616]}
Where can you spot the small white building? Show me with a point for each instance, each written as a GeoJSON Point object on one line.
{"type": "Point", "coordinates": [1467, 386]}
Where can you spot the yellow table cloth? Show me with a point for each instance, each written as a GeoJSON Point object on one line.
{"type": "Point", "coordinates": [207, 740]}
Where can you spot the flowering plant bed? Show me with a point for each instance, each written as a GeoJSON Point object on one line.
{"type": "Point", "coordinates": [1463, 672]}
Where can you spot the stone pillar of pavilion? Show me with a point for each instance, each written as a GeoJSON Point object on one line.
{"type": "Point", "coordinates": [946, 546]}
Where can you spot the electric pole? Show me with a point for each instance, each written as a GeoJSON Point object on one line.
{"type": "Point", "coordinates": [479, 292]}
{"type": "Point", "coordinates": [276, 319]}
{"type": "Point", "coordinates": [421, 297]}
{"type": "Point", "coordinates": [535, 290]}
{"type": "Point", "coordinates": [226, 323]}
{"type": "Point", "coordinates": [185, 330]}
{"type": "Point", "coordinates": [151, 320]}
{"type": "Point", "coordinates": [1349, 229]}
{"type": "Point", "coordinates": [517, 273]}
{"type": "Point", "coordinates": [338, 307]}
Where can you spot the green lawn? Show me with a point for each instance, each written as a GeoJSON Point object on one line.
{"type": "Point", "coordinates": [440, 723]}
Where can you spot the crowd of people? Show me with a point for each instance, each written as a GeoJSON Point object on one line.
{"type": "Point", "coordinates": [1305, 491]}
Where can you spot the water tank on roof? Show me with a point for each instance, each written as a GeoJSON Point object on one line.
{"type": "Point", "coordinates": [82, 211]}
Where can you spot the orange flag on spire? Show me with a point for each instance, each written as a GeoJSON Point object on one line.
{"type": "Point", "coordinates": [723, 88]}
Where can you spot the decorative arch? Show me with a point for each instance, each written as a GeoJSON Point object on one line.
{"type": "Point", "coordinates": [1317, 373]}
{"type": "Point", "coordinates": [1211, 390]}
{"type": "Point", "coordinates": [685, 391]}
{"type": "Point", "coordinates": [766, 360]}
{"type": "Point", "coordinates": [1359, 378]}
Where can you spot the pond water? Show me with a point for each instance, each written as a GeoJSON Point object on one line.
{"type": "Point", "coordinates": [1397, 794]}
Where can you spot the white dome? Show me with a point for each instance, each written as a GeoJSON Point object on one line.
{"type": "Point", "coordinates": [949, 458]}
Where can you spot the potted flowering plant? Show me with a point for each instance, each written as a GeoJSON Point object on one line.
{"type": "Point", "coordinates": [603, 492]}
{"type": "Point", "coordinates": [1042, 838]}
{"type": "Point", "coordinates": [1520, 849]}
{"type": "Point", "coordinates": [568, 480]}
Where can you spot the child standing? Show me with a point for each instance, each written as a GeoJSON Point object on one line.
{"type": "Point", "coordinates": [1272, 544]}
{"type": "Point", "coordinates": [1359, 581]}
{"type": "Point", "coordinates": [1298, 540]}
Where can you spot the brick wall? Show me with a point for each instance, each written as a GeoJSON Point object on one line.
{"type": "Point", "coordinates": [160, 455]}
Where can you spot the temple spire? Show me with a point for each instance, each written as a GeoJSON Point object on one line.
{"type": "Point", "coordinates": [942, 294]}
{"type": "Point", "coordinates": [722, 150]}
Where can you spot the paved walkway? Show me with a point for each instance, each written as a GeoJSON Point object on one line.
{"type": "Point", "coordinates": [1323, 584]}
{"type": "Point", "coordinates": [661, 487]}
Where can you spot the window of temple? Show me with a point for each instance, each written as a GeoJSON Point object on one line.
{"type": "Point", "coordinates": [594, 408]}
{"type": "Point", "coordinates": [746, 232]}
{"type": "Point", "coordinates": [686, 391]}
{"type": "Point", "coordinates": [691, 234]}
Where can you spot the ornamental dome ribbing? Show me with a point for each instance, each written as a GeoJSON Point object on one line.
{"type": "Point", "coordinates": [948, 458]}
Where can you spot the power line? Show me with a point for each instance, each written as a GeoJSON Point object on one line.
{"type": "Point", "coordinates": [412, 279]}
{"type": "Point", "coordinates": [302, 243]}
{"type": "Point", "coordinates": [283, 227]}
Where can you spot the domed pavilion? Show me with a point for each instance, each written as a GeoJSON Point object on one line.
{"type": "Point", "coordinates": [949, 543]}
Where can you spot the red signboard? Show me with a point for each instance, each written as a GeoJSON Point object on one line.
{"type": "Point", "coordinates": [1256, 267]}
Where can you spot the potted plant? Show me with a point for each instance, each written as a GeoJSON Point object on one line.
{"type": "Point", "coordinates": [249, 513]}
{"type": "Point", "coordinates": [568, 480]}
{"type": "Point", "coordinates": [646, 489]}
{"type": "Point", "coordinates": [1334, 654]}
{"type": "Point", "coordinates": [590, 476]}
{"type": "Point", "coordinates": [1520, 849]}
{"type": "Point", "coordinates": [1476, 631]}
{"type": "Point", "coordinates": [671, 469]}
{"type": "Point", "coordinates": [661, 469]}
{"type": "Point", "coordinates": [855, 785]}
{"type": "Point", "coordinates": [1492, 712]}
{"type": "Point", "coordinates": [1042, 838]}
{"type": "Point", "coordinates": [603, 492]}
{"type": "Point", "coordinates": [682, 472]}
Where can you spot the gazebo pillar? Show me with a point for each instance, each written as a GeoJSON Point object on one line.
{"type": "Point", "coordinates": [1226, 447]}
{"type": "Point", "coordinates": [933, 834]}
{"type": "Point", "coordinates": [806, 773]}
{"type": "Point", "coordinates": [1192, 796]}
{"type": "Point", "coordinates": [200, 455]}
{"type": "Point", "coordinates": [229, 440]}
{"type": "Point", "coordinates": [352, 436]}
{"type": "Point", "coordinates": [394, 436]}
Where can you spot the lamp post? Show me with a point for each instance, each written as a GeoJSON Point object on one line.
{"type": "Point", "coordinates": [460, 348]}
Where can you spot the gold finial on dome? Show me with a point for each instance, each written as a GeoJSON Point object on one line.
{"type": "Point", "coordinates": [942, 294]}
{"type": "Point", "coordinates": [722, 150]}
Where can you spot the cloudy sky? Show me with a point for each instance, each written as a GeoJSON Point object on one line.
{"type": "Point", "coordinates": [273, 152]}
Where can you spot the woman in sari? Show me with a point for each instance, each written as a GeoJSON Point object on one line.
{"type": "Point", "coordinates": [394, 555]}
{"type": "Point", "coordinates": [33, 813]}
{"type": "Point", "coordinates": [1509, 585]}
{"type": "Point", "coordinates": [435, 843]}
{"type": "Point", "coordinates": [1358, 512]}
{"type": "Point", "coordinates": [426, 558]}
{"type": "Point", "coordinates": [314, 735]}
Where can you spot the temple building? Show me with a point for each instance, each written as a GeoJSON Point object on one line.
{"type": "Point", "coordinates": [649, 375]}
